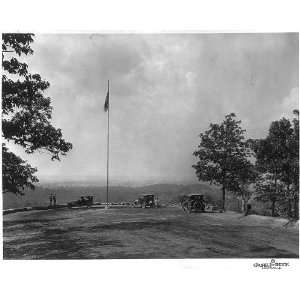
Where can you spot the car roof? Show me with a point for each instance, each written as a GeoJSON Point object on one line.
{"type": "Point", "coordinates": [195, 195]}
{"type": "Point", "coordinates": [147, 194]}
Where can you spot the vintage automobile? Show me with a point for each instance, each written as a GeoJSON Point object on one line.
{"type": "Point", "coordinates": [83, 201]}
{"type": "Point", "coordinates": [146, 201]}
{"type": "Point", "coordinates": [197, 203]}
{"type": "Point", "coordinates": [193, 203]}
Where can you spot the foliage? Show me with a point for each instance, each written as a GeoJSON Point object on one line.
{"type": "Point", "coordinates": [16, 173]}
{"type": "Point", "coordinates": [222, 156]}
{"type": "Point", "coordinates": [277, 159]}
{"type": "Point", "coordinates": [26, 114]}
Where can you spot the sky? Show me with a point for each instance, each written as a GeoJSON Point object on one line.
{"type": "Point", "coordinates": [165, 89]}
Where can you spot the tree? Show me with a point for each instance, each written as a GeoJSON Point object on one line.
{"type": "Point", "coordinates": [277, 159]}
{"type": "Point", "coordinates": [268, 190]}
{"type": "Point", "coordinates": [294, 146]}
{"type": "Point", "coordinates": [26, 115]}
{"type": "Point", "coordinates": [242, 183]}
{"type": "Point", "coordinates": [16, 173]}
{"type": "Point", "coordinates": [222, 155]}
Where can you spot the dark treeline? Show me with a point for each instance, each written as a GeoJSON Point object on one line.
{"type": "Point", "coordinates": [263, 170]}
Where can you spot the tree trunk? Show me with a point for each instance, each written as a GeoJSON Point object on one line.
{"type": "Point", "coordinates": [243, 204]}
{"type": "Point", "coordinates": [274, 196]}
{"type": "Point", "coordinates": [289, 202]}
{"type": "Point", "coordinates": [223, 197]}
{"type": "Point", "coordinates": [273, 207]}
{"type": "Point", "coordinates": [296, 207]}
{"type": "Point", "coordinates": [242, 208]}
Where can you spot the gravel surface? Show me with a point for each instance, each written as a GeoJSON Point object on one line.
{"type": "Point", "coordinates": [145, 233]}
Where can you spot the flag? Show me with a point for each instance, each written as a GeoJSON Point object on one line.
{"type": "Point", "coordinates": [106, 104]}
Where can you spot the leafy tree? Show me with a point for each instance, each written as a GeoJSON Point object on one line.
{"type": "Point", "coordinates": [16, 173]}
{"type": "Point", "coordinates": [222, 155]}
{"type": "Point", "coordinates": [26, 115]}
{"type": "Point", "coordinates": [270, 154]}
{"type": "Point", "coordinates": [242, 183]}
{"type": "Point", "coordinates": [267, 189]}
{"type": "Point", "coordinates": [294, 146]}
{"type": "Point", "coordinates": [277, 158]}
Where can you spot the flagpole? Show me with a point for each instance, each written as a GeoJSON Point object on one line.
{"type": "Point", "coordinates": [107, 166]}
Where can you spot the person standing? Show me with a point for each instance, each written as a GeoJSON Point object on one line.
{"type": "Point", "coordinates": [54, 200]}
{"type": "Point", "coordinates": [50, 200]}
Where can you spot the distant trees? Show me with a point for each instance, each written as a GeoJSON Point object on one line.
{"type": "Point", "coordinates": [26, 115]}
{"type": "Point", "coordinates": [222, 157]}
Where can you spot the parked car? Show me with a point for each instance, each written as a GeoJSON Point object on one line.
{"type": "Point", "coordinates": [147, 201]}
{"type": "Point", "coordinates": [197, 203]}
{"type": "Point", "coordinates": [193, 203]}
{"type": "Point", "coordinates": [83, 201]}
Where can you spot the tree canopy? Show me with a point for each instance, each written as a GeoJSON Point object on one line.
{"type": "Point", "coordinates": [26, 115]}
{"type": "Point", "coordinates": [222, 156]}
{"type": "Point", "coordinates": [277, 160]}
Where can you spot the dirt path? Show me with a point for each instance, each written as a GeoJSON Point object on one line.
{"type": "Point", "coordinates": [144, 233]}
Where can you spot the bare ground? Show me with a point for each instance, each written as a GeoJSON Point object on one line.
{"type": "Point", "coordinates": [145, 233]}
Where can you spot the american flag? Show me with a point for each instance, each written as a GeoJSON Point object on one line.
{"type": "Point", "coordinates": [106, 104]}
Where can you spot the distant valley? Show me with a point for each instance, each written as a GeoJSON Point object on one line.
{"type": "Point", "coordinates": [167, 193]}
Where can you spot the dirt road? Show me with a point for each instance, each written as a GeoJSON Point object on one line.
{"type": "Point", "coordinates": [144, 233]}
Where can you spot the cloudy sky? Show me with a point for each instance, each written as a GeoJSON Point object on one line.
{"type": "Point", "coordinates": [165, 90]}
